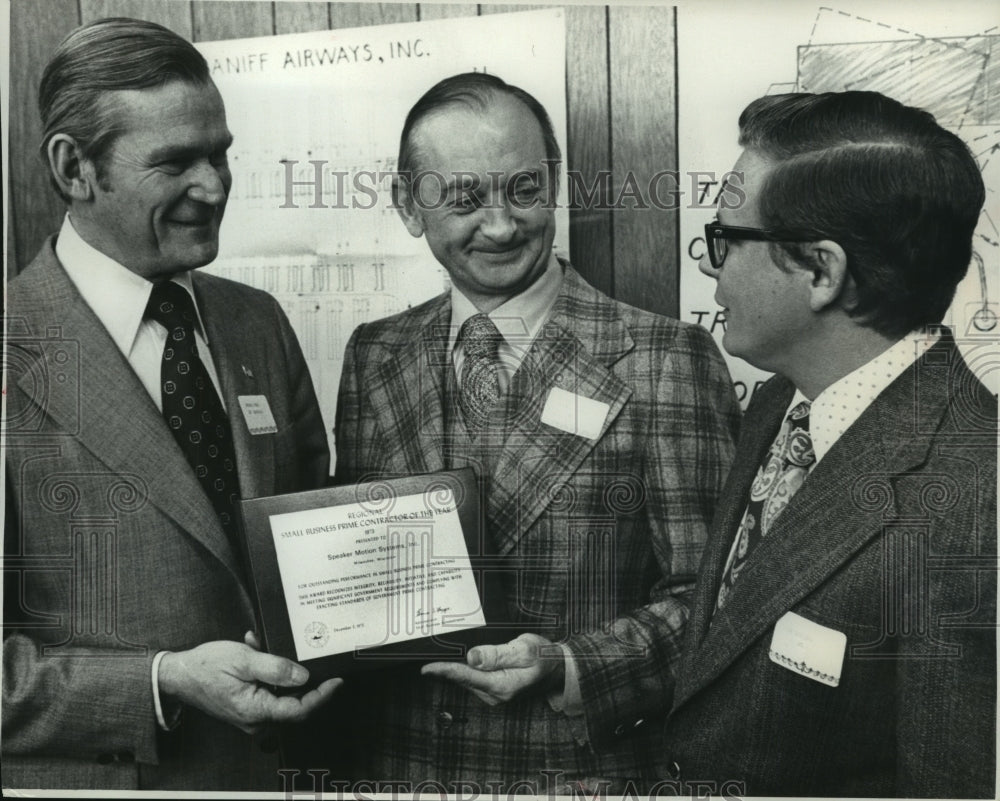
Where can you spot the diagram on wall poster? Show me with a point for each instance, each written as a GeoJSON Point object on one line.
{"type": "Point", "coordinates": [943, 59]}
{"type": "Point", "coordinates": [316, 119]}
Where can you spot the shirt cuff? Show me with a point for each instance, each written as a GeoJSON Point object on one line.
{"type": "Point", "coordinates": [170, 720]}
{"type": "Point", "coordinates": [570, 700]}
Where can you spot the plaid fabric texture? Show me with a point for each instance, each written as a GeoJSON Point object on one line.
{"type": "Point", "coordinates": [600, 539]}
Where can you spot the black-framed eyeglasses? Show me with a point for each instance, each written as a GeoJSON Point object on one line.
{"type": "Point", "coordinates": [718, 235]}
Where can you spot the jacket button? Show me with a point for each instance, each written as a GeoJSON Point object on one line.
{"type": "Point", "coordinates": [674, 770]}
{"type": "Point", "coordinates": [619, 729]}
{"type": "Point", "coordinates": [444, 720]}
{"type": "Point", "coordinates": [638, 723]}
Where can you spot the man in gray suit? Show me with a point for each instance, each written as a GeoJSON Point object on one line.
{"type": "Point", "coordinates": [842, 637]}
{"type": "Point", "coordinates": [143, 401]}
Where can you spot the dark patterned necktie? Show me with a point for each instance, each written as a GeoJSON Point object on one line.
{"type": "Point", "coordinates": [778, 479]}
{"type": "Point", "coordinates": [191, 406]}
{"type": "Point", "coordinates": [480, 388]}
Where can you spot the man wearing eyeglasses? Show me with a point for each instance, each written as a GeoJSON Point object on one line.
{"type": "Point", "coordinates": [842, 637]}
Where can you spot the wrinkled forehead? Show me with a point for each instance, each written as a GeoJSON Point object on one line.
{"type": "Point", "coordinates": [132, 109]}
{"type": "Point", "coordinates": [503, 137]}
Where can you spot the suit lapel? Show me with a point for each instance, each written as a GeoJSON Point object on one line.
{"type": "Point", "coordinates": [407, 392]}
{"type": "Point", "coordinates": [110, 413]}
{"type": "Point", "coordinates": [573, 351]}
{"type": "Point", "coordinates": [839, 509]}
{"type": "Point", "coordinates": [241, 371]}
{"type": "Point", "coordinates": [756, 438]}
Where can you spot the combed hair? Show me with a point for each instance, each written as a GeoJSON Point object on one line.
{"type": "Point", "coordinates": [899, 193]}
{"type": "Point", "coordinates": [477, 91]}
{"type": "Point", "coordinates": [105, 56]}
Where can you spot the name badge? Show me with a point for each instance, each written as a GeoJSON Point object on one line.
{"type": "Point", "coordinates": [574, 414]}
{"type": "Point", "coordinates": [809, 649]}
{"type": "Point", "coordinates": [257, 413]}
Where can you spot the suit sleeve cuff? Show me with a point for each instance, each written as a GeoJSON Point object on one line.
{"type": "Point", "coordinates": [169, 718]}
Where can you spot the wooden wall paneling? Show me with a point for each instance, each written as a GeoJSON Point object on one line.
{"type": "Point", "coordinates": [301, 17]}
{"type": "Point", "coordinates": [443, 10]}
{"type": "Point", "coordinates": [231, 19]}
{"type": "Point", "coordinates": [589, 149]}
{"type": "Point", "coordinates": [36, 28]}
{"type": "Point", "coordinates": [168, 13]}
{"type": "Point", "coordinates": [359, 15]}
{"type": "Point", "coordinates": [643, 142]}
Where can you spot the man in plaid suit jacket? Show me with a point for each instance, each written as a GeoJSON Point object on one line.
{"type": "Point", "coordinates": [599, 516]}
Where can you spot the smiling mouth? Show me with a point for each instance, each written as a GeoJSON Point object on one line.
{"type": "Point", "coordinates": [499, 253]}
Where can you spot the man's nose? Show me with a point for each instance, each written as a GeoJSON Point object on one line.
{"type": "Point", "coordinates": [209, 184]}
{"type": "Point", "coordinates": [498, 224]}
{"type": "Point", "coordinates": [705, 265]}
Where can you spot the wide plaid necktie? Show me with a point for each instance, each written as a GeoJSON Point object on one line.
{"type": "Point", "coordinates": [778, 479]}
{"type": "Point", "coordinates": [191, 406]}
{"type": "Point", "coordinates": [480, 387]}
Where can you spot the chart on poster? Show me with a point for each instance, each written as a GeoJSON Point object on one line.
{"type": "Point", "coordinates": [943, 59]}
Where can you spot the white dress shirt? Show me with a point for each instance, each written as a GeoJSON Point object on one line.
{"type": "Point", "coordinates": [518, 320]}
{"type": "Point", "coordinates": [118, 298]}
{"type": "Point", "coordinates": [838, 406]}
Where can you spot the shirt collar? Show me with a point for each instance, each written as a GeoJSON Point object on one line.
{"type": "Point", "coordinates": [838, 406]}
{"type": "Point", "coordinates": [115, 294]}
{"type": "Point", "coordinates": [519, 319]}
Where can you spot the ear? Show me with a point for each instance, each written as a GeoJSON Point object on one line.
{"type": "Point", "coordinates": [402, 199]}
{"type": "Point", "coordinates": [829, 278]}
{"type": "Point", "coordinates": [70, 169]}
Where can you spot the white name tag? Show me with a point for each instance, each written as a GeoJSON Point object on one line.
{"type": "Point", "coordinates": [257, 413]}
{"type": "Point", "coordinates": [808, 648]}
{"type": "Point", "coordinates": [574, 414]}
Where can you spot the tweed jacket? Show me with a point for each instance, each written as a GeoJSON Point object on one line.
{"type": "Point", "coordinates": [599, 537]}
{"type": "Point", "coordinates": [891, 540]}
{"type": "Point", "coordinates": [113, 551]}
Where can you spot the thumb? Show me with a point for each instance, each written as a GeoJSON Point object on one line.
{"type": "Point", "coordinates": [277, 670]}
{"type": "Point", "coordinates": [521, 652]}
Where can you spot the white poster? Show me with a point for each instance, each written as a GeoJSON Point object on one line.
{"type": "Point", "coordinates": [944, 58]}
{"type": "Point", "coordinates": [316, 119]}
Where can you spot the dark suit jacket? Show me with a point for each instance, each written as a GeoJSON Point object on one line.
{"type": "Point", "coordinates": [599, 538]}
{"type": "Point", "coordinates": [113, 550]}
{"type": "Point", "coordinates": [892, 541]}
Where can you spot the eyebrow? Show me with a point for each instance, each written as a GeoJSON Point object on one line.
{"type": "Point", "coordinates": [186, 152]}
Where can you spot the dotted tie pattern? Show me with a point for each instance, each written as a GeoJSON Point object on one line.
{"type": "Point", "coordinates": [191, 406]}
{"type": "Point", "coordinates": [480, 389]}
{"type": "Point", "coordinates": [778, 479]}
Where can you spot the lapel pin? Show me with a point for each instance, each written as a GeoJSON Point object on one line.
{"type": "Point", "coordinates": [247, 371]}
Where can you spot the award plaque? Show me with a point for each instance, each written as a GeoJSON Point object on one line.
{"type": "Point", "coordinates": [371, 575]}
